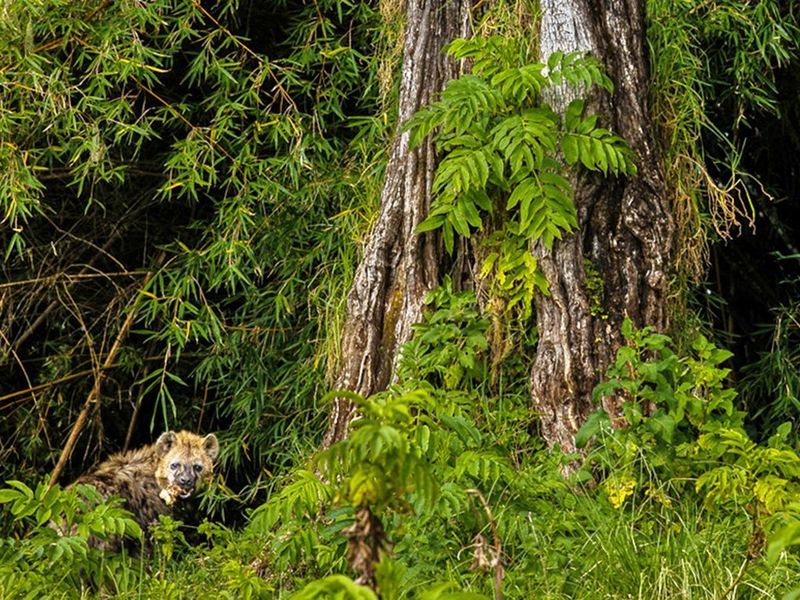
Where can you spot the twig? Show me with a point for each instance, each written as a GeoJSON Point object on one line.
{"type": "Point", "coordinates": [498, 546]}
{"type": "Point", "coordinates": [43, 386]}
{"type": "Point", "coordinates": [202, 408]}
{"type": "Point", "coordinates": [93, 396]}
{"type": "Point", "coordinates": [50, 307]}
{"type": "Point", "coordinates": [70, 277]}
{"type": "Point", "coordinates": [132, 423]}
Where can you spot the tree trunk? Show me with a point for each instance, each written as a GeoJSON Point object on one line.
{"type": "Point", "coordinates": [399, 266]}
{"type": "Point", "coordinates": [625, 225]}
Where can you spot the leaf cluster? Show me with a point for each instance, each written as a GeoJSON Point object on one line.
{"type": "Point", "coordinates": [53, 553]}
{"type": "Point", "coordinates": [500, 139]}
{"type": "Point", "coordinates": [449, 346]}
{"type": "Point", "coordinates": [679, 424]}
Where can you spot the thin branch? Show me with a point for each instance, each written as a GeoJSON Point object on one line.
{"type": "Point", "coordinates": [50, 307]}
{"type": "Point", "coordinates": [94, 395]}
{"type": "Point", "coordinates": [70, 277]}
{"type": "Point", "coordinates": [132, 423]}
{"type": "Point", "coordinates": [82, 274]}
{"type": "Point", "coordinates": [497, 561]}
{"type": "Point", "coordinates": [43, 386]}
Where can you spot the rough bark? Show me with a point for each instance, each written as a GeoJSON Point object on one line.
{"type": "Point", "coordinates": [625, 225]}
{"type": "Point", "coordinates": [399, 266]}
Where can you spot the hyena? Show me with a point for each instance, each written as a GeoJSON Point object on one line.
{"type": "Point", "coordinates": [149, 480]}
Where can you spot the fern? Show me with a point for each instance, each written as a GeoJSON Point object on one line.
{"type": "Point", "coordinates": [522, 141]}
{"type": "Point", "coordinates": [489, 55]}
{"type": "Point", "coordinates": [577, 69]}
{"type": "Point", "coordinates": [305, 495]}
{"type": "Point", "coordinates": [483, 467]}
{"type": "Point", "coordinates": [53, 553]}
{"type": "Point", "coordinates": [595, 148]}
{"type": "Point", "coordinates": [520, 86]}
{"type": "Point", "coordinates": [502, 145]}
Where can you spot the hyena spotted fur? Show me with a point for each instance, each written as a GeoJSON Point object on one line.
{"type": "Point", "coordinates": [149, 480]}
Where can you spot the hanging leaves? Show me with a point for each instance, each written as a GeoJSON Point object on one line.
{"type": "Point", "coordinates": [501, 142]}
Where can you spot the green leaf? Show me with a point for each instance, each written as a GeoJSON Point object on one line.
{"type": "Point", "coordinates": [527, 188]}
{"type": "Point", "coordinates": [569, 147]}
{"type": "Point", "coordinates": [448, 237]}
{"type": "Point", "coordinates": [781, 540]}
{"type": "Point", "coordinates": [465, 429]}
{"type": "Point", "coordinates": [595, 423]}
{"type": "Point", "coordinates": [26, 491]}
{"type": "Point", "coordinates": [554, 59]}
{"type": "Point", "coordinates": [572, 115]}
{"type": "Point", "coordinates": [458, 219]}
{"type": "Point", "coordinates": [7, 495]}
{"type": "Point", "coordinates": [431, 223]}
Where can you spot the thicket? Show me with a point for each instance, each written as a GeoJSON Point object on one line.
{"type": "Point", "coordinates": [205, 170]}
{"type": "Point", "coordinates": [184, 188]}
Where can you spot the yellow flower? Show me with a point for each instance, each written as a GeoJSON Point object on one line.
{"type": "Point", "coordinates": [619, 488]}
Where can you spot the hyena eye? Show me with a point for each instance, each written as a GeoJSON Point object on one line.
{"type": "Point", "coordinates": [198, 468]}
{"type": "Point", "coordinates": [173, 466]}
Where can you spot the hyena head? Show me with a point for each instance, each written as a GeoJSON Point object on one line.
{"type": "Point", "coordinates": [185, 460]}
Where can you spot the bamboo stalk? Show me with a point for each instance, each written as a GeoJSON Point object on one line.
{"type": "Point", "coordinates": [93, 396]}
{"type": "Point", "coordinates": [43, 386]}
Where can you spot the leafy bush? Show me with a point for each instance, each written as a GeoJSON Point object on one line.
{"type": "Point", "coordinates": [59, 557]}
{"type": "Point", "coordinates": [436, 494]}
{"type": "Point", "coordinates": [678, 424]}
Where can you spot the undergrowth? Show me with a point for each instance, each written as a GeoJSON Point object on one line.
{"type": "Point", "coordinates": [442, 489]}
{"type": "Point", "coordinates": [434, 496]}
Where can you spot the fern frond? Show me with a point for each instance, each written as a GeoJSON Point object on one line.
{"type": "Point", "coordinates": [579, 69]}
{"type": "Point", "coordinates": [596, 148]}
{"type": "Point", "coordinates": [523, 140]}
{"type": "Point", "coordinates": [483, 466]}
{"type": "Point", "coordinates": [305, 495]}
{"type": "Point", "coordinates": [489, 55]}
{"type": "Point", "coordinates": [462, 170]}
{"type": "Point", "coordinates": [545, 207]}
{"type": "Point", "coordinates": [465, 106]}
{"type": "Point", "coordinates": [520, 85]}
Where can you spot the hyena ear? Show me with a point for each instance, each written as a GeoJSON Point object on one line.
{"type": "Point", "coordinates": [211, 446]}
{"type": "Point", "coordinates": [166, 441]}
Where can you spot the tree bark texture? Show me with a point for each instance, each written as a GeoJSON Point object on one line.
{"type": "Point", "coordinates": [399, 267]}
{"type": "Point", "coordinates": [625, 227]}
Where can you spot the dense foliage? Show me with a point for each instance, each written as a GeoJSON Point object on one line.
{"type": "Point", "coordinates": [501, 146]}
{"type": "Point", "coordinates": [184, 187]}
{"type": "Point", "coordinates": [234, 165]}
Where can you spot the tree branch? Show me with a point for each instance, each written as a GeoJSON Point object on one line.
{"type": "Point", "coordinates": [93, 396]}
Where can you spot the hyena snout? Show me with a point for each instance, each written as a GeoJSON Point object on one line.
{"type": "Point", "coordinates": [186, 476]}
